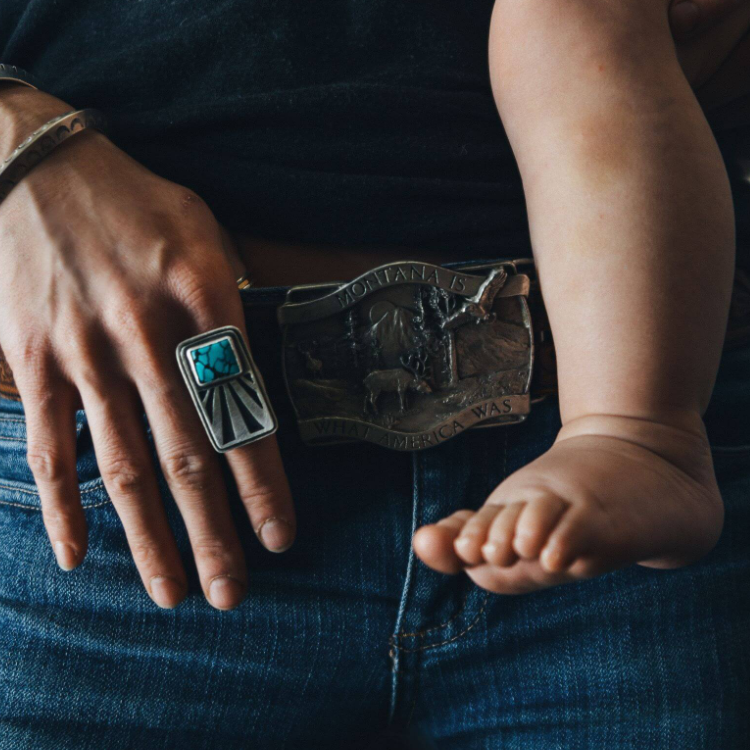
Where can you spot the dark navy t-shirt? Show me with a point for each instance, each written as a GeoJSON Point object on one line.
{"type": "Point", "coordinates": [366, 122]}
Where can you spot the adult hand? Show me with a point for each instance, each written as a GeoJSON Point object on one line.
{"type": "Point", "coordinates": [106, 267]}
{"type": "Point", "coordinates": [689, 17]}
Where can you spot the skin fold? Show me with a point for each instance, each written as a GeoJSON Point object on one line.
{"type": "Point", "coordinates": [101, 257]}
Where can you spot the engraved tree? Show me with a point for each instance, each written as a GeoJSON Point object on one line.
{"type": "Point", "coordinates": [441, 305]}
{"type": "Point", "coordinates": [351, 344]}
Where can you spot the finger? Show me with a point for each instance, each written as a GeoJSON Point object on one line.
{"type": "Point", "coordinates": [118, 433]}
{"type": "Point", "coordinates": [49, 405]}
{"type": "Point", "coordinates": [257, 468]}
{"type": "Point", "coordinates": [193, 474]}
{"type": "Point", "coordinates": [265, 493]}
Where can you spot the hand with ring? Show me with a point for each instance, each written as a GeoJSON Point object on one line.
{"type": "Point", "coordinates": [106, 269]}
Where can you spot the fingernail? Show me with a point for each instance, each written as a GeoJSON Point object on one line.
{"type": "Point", "coordinates": [166, 592]}
{"type": "Point", "coordinates": [225, 592]}
{"type": "Point", "coordinates": [684, 16]}
{"type": "Point", "coordinates": [67, 558]}
{"type": "Point", "coordinates": [276, 534]}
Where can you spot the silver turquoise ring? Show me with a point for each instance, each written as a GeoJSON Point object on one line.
{"type": "Point", "coordinates": [226, 387]}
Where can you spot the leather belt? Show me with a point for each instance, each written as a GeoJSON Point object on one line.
{"type": "Point", "coordinates": [410, 354]}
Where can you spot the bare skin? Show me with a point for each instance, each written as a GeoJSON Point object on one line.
{"type": "Point", "coordinates": [95, 271]}
{"type": "Point", "coordinates": [101, 279]}
{"type": "Point", "coordinates": [633, 233]}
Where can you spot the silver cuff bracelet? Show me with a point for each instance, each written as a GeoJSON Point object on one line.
{"type": "Point", "coordinates": [29, 153]}
{"type": "Point", "coordinates": [17, 75]}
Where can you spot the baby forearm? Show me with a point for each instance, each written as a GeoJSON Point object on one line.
{"type": "Point", "coordinates": [628, 200]}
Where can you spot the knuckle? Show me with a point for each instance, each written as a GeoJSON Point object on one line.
{"type": "Point", "coordinates": [82, 355]}
{"type": "Point", "coordinates": [163, 389]}
{"type": "Point", "coordinates": [190, 202]}
{"type": "Point", "coordinates": [90, 379]}
{"type": "Point", "coordinates": [47, 464]}
{"type": "Point", "coordinates": [211, 548]}
{"type": "Point", "coordinates": [153, 369]}
{"type": "Point", "coordinates": [60, 516]}
{"type": "Point", "coordinates": [263, 496]}
{"type": "Point", "coordinates": [29, 355]}
{"type": "Point", "coordinates": [195, 287]}
{"type": "Point", "coordinates": [124, 477]}
{"type": "Point", "coordinates": [127, 312]}
{"type": "Point", "coordinates": [145, 550]}
{"type": "Point", "coordinates": [188, 470]}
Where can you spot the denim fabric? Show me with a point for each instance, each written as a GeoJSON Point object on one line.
{"type": "Point", "coordinates": [347, 640]}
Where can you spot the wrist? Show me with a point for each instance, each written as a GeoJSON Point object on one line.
{"type": "Point", "coordinates": [643, 429]}
{"type": "Point", "coordinates": [22, 111]}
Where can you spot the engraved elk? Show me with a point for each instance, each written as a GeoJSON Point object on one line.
{"type": "Point", "coordinates": [313, 365]}
{"type": "Point", "coordinates": [396, 380]}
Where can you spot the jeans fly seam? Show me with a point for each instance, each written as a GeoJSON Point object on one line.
{"type": "Point", "coordinates": [420, 633]}
{"type": "Point", "coordinates": [394, 649]}
{"type": "Point", "coordinates": [457, 614]}
{"type": "Point", "coordinates": [458, 635]}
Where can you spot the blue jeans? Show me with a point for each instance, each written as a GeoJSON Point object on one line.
{"type": "Point", "coordinates": [347, 640]}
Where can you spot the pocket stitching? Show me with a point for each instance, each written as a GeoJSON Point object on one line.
{"type": "Point", "coordinates": [98, 486]}
{"type": "Point", "coordinates": [39, 510]}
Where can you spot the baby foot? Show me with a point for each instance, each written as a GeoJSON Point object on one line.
{"type": "Point", "coordinates": [612, 491]}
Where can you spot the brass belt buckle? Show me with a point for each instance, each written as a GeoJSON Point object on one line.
{"type": "Point", "coordinates": [409, 354]}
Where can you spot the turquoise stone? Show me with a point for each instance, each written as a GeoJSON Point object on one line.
{"type": "Point", "coordinates": [215, 361]}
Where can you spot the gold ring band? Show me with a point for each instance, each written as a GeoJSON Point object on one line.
{"type": "Point", "coordinates": [243, 282]}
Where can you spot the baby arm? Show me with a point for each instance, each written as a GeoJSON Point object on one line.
{"type": "Point", "coordinates": [628, 199]}
{"type": "Point", "coordinates": [632, 227]}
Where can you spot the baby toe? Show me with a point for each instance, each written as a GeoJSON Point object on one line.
{"type": "Point", "coordinates": [433, 544]}
{"type": "Point", "coordinates": [569, 541]}
{"type": "Point", "coordinates": [536, 523]}
{"type": "Point", "coordinates": [468, 543]}
{"type": "Point", "coordinates": [498, 549]}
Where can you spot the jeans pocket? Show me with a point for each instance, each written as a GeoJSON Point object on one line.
{"type": "Point", "coordinates": [17, 485]}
